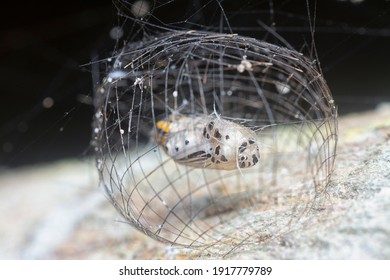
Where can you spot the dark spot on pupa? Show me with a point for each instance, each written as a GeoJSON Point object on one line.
{"type": "Point", "coordinates": [204, 132]}
{"type": "Point", "coordinates": [227, 137]}
{"type": "Point", "coordinates": [251, 141]}
{"type": "Point", "coordinates": [211, 125]}
{"type": "Point", "coordinates": [195, 155]}
{"type": "Point", "coordinates": [177, 148]}
{"type": "Point", "coordinates": [243, 147]}
{"type": "Point", "coordinates": [217, 150]}
{"type": "Point", "coordinates": [255, 159]}
{"type": "Point", "coordinates": [213, 159]}
{"type": "Point", "coordinates": [186, 142]}
{"type": "Point", "coordinates": [242, 165]}
{"type": "Point", "coordinates": [223, 158]}
{"type": "Point", "coordinates": [242, 158]}
{"type": "Point", "coordinates": [217, 134]}
{"type": "Point", "coordinates": [207, 136]}
{"type": "Point", "coordinates": [208, 155]}
{"type": "Point", "coordinates": [217, 162]}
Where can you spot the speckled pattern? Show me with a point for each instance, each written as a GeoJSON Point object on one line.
{"type": "Point", "coordinates": [208, 142]}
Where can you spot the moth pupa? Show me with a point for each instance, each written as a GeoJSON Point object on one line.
{"type": "Point", "coordinates": [208, 142]}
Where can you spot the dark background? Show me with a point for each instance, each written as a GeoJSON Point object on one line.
{"type": "Point", "coordinates": [45, 49]}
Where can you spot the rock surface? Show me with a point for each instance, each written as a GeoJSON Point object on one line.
{"type": "Point", "coordinates": [58, 212]}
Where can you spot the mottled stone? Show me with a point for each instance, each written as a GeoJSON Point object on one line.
{"type": "Point", "coordinates": [59, 212]}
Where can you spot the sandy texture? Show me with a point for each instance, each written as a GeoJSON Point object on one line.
{"type": "Point", "coordinates": [58, 212]}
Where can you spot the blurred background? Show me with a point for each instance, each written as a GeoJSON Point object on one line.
{"type": "Point", "coordinates": [46, 48]}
